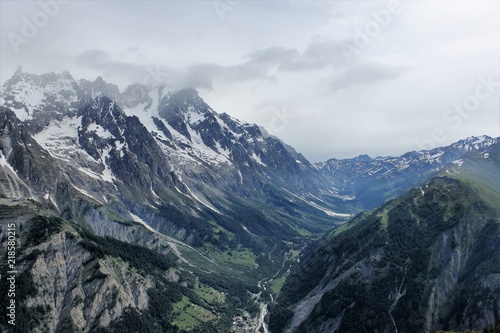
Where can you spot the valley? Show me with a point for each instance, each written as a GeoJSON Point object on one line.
{"type": "Point", "coordinates": [148, 210]}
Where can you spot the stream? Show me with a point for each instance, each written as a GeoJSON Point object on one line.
{"type": "Point", "coordinates": [261, 318]}
{"type": "Point", "coordinates": [258, 324]}
{"type": "Point", "coordinates": [261, 322]}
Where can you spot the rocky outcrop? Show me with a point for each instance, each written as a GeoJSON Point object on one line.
{"type": "Point", "coordinates": [74, 280]}
{"type": "Point", "coordinates": [33, 171]}
{"type": "Point", "coordinates": [72, 285]}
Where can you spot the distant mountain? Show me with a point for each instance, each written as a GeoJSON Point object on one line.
{"type": "Point", "coordinates": [424, 261]}
{"type": "Point", "coordinates": [371, 181]}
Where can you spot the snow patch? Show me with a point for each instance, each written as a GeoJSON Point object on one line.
{"type": "Point", "coordinates": [100, 131]}
{"type": "Point", "coordinates": [195, 197]}
{"type": "Point", "coordinates": [87, 194]}
{"type": "Point", "coordinates": [141, 221]}
{"type": "Point", "coordinates": [335, 194]}
{"type": "Point", "coordinates": [315, 205]}
{"type": "Point", "coordinates": [241, 176]}
{"type": "Point", "coordinates": [107, 175]}
{"type": "Point", "coordinates": [4, 163]}
{"type": "Point", "coordinates": [60, 139]}
{"type": "Point", "coordinates": [257, 159]}
{"type": "Point", "coordinates": [145, 111]}
{"type": "Point", "coordinates": [193, 116]}
{"type": "Point", "coordinates": [54, 203]}
{"type": "Point", "coordinates": [90, 173]}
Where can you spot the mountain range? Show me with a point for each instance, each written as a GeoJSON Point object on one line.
{"type": "Point", "coordinates": [130, 202]}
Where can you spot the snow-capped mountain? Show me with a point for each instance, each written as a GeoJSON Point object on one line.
{"type": "Point", "coordinates": [373, 180]}
{"type": "Point", "coordinates": [37, 99]}
{"type": "Point", "coordinates": [92, 127]}
{"type": "Point", "coordinates": [174, 141]}
{"type": "Point", "coordinates": [143, 150]}
{"type": "Point", "coordinates": [181, 119]}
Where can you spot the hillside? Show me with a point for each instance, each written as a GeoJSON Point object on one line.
{"type": "Point", "coordinates": [67, 279]}
{"type": "Point", "coordinates": [425, 261]}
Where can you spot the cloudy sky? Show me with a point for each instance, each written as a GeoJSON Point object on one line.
{"type": "Point", "coordinates": [331, 78]}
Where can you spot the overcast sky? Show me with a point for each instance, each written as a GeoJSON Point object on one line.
{"type": "Point", "coordinates": [331, 78]}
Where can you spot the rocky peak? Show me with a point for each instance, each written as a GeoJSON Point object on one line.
{"type": "Point", "coordinates": [183, 109]}
{"type": "Point", "coordinates": [39, 99]}
{"type": "Point", "coordinates": [185, 104]}
{"type": "Point", "coordinates": [136, 94]}
{"type": "Point", "coordinates": [363, 158]}
{"type": "Point", "coordinates": [102, 123]}
{"type": "Point", "coordinates": [104, 112]}
{"type": "Point", "coordinates": [99, 88]}
{"type": "Point", "coordinates": [187, 96]}
{"type": "Point", "coordinates": [29, 170]}
{"type": "Point", "coordinates": [476, 143]}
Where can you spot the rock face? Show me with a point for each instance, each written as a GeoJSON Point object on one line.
{"type": "Point", "coordinates": [123, 145]}
{"type": "Point", "coordinates": [422, 262]}
{"type": "Point", "coordinates": [29, 171]}
{"type": "Point", "coordinates": [71, 280]}
{"type": "Point", "coordinates": [71, 286]}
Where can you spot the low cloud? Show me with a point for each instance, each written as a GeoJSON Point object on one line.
{"type": "Point", "coordinates": [318, 55]}
{"type": "Point", "coordinates": [103, 62]}
{"type": "Point", "coordinates": [367, 74]}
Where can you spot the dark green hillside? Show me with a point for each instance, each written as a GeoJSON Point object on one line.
{"type": "Point", "coordinates": [428, 260]}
